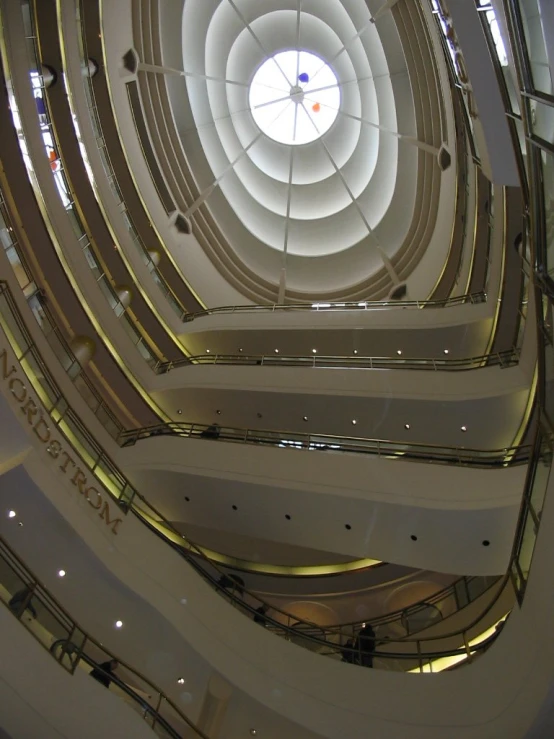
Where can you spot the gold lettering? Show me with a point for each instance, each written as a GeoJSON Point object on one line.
{"type": "Point", "coordinates": [4, 358]}
{"type": "Point", "coordinates": [30, 408]}
{"type": "Point", "coordinates": [105, 514]}
{"type": "Point", "coordinates": [23, 389]}
{"type": "Point", "coordinates": [79, 479]}
{"type": "Point", "coordinates": [63, 467]}
{"type": "Point", "coordinates": [98, 498]}
{"type": "Point", "coordinates": [43, 427]}
{"type": "Point", "coordinates": [54, 449]}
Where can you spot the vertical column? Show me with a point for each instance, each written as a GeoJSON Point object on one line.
{"type": "Point", "coordinates": [214, 706]}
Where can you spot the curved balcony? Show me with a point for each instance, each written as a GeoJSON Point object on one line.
{"type": "Point", "coordinates": [53, 627]}
{"type": "Point", "coordinates": [363, 305]}
{"type": "Point", "coordinates": [507, 358]}
{"type": "Point", "coordinates": [386, 448]}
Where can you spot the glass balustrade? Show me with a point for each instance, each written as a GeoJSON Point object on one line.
{"type": "Point", "coordinates": [416, 654]}
{"type": "Point", "coordinates": [61, 181]}
{"type": "Point", "coordinates": [359, 305]}
{"type": "Point", "coordinates": [507, 358]}
{"type": "Point", "coordinates": [384, 448]}
{"type": "Point", "coordinates": [109, 170]}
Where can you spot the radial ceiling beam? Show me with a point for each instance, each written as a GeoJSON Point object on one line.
{"type": "Point", "coordinates": [386, 261]}
{"type": "Point", "coordinates": [401, 136]}
{"type": "Point", "coordinates": [256, 38]}
{"type": "Point", "coordinates": [205, 194]}
{"type": "Point", "coordinates": [157, 69]}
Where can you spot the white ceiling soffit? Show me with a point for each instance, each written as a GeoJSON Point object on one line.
{"type": "Point", "coordinates": [322, 212]}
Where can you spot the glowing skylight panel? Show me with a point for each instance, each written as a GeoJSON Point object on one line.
{"type": "Point", "coordinates": [294, 97]}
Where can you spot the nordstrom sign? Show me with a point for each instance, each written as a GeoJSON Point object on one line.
{"type": "Point", "coordinates": [67, 461]}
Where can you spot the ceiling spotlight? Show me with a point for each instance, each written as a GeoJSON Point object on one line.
{"type": "Point", "coordinates": [446, 351]}
{"type": "Point", "coordinates": [253, 732]}
{"type": "Point", "coordinates": [118, 624]}
{"type": "Point", "coordinates": [304, 418]}
{"type": "Point", "coordinates": [240, 350]}
{"type": "Point", "coordinates": [12, 514]}
{"type": "Point", "coordinates": [463, 428]}
{"type": "Point", "coordinates": [314, 351]}
{"type": "Point", "coordinates": [276, 351]}
{"type": "Point", "coordinates": [355, 351]}
{"type": "Point", "coordinates": [354, 422]}
{"type": "Point", "coordinates": [218, 413]}
{"type": "Point", "coordinates": [406, 425]}
{"type": "Point", "coordinates": [207, 351]}
{"type": "Point", "coordinates": [181, 681]}
{"type": "Point", "coordinates": [61, 573]}
{"type": "Point", "coordinates": [180, 411]}
{"type": "Point", "coordinates": [399, 352]}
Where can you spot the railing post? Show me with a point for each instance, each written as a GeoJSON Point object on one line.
{"type": "Point", "coordinates": [466, 645]}
{"type": "Point", "coordinates": [157, 710]}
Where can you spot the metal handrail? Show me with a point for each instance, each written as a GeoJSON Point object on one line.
{"type": "Point", "coordinates": [507, 358]}
{"type": "Point", "coordinates": [72, 212]}
{"type": "Point", "coordinates": [132, 501]}
{"type": "Point", "coordinates": [473, 298]}
{"type": "Point", "coordinates": [77, 651]}
{"type": "Point", "coordinates": [386, 448]}
{"type": "Point", "coordinates": [102, 459]}
{"type": "Point", "coordinates": [111, 176]}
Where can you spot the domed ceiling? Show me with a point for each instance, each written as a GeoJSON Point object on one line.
{"type": "Point", "coordinates": [298, 110]}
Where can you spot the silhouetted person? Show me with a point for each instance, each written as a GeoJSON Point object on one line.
{"type": "Point", "coordinates": [103, 672]}
{"type": "Point", "coordinates": [232, 582]}
{"type": "Point", "coordinates": [259, 616]}
{"type": "Point", "coordinates": [365, 644]}
{"type": "Point", "coordinates": [212, 432]}
{"type": "Point", "coordinates": [22, 601]}
{"type": "Point", "coordinates": [347, 653]}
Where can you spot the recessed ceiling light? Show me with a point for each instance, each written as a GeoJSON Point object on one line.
{"type": "Point", "coordinates": [12, 514]}
{"type": "Point", "coordinates": [354, 422]}
{"type": "Point", "coordinates": [253, 732]}
{"type": "Point", "coordinates": [399, 352]}
{"type": "Point", "coordinates": [464, 428]}
{"type": "Point", "coordinates": [276, 351]}
{"type": "Point", "coordinates": [207, 351]}
{"type": "Point", "coordinates": [304, 418]}
{"type": "Point", "coordinates": [406, 425]}
{"type": "Point", "coordinates": [20, 523]}
{"type": "Point", "coordinates": [118, 624]}
{"type": "Point", "coordinates": [355, 351]}
{"type": "Point", "coordinates": [314, 351]}
{"type": "Point", "coordinates": [240, 350]}
{"type": "Point", "coordinates": [446, 351]}
{"type": "Point", "coordinates": [218, 413]}
{"type": "Point", "coordinates": [181, 681]}
{"type": "Point", "coordinates": [61, 573]}
{"type": "Point", "coordinates": [180, 411]}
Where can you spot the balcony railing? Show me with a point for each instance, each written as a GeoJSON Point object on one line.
{"type": "Point", "coordinates": [360, 305]}
{"type": "Point", "coordinates": [73, 648]}
{"type": "Point", "coordinates": [411, 655]}
{"type": "Point", "coordinates": [384, 448]}
{"type": "Point", "coordinates": [508, 358]}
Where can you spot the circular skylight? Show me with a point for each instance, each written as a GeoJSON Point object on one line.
{"type": "Point", "coordinates": [294, 97]}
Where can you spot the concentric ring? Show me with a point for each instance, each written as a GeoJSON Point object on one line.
{"type": "Point", "coordinates": [283, 196]}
